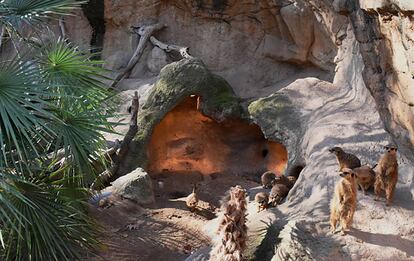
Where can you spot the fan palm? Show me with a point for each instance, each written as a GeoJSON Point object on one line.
{"type": "Point", "coordinates": [53, 108]}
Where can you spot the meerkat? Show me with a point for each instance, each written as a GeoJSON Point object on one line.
{"type": "Point", "coordinates": [192, 200]}
{"type": "Point", "coordinates": [278, 193]}
{"type": "Point", "coordinates": [365, 177]}
{"type": "Point", "coordinates": [283, 180]}
{"type": "Point", "coordinates": [345, 160]}
{"type": "Point", "coordinates": [267, 178]}
{"type": "Point", "coordinates": [262, 201]}
{"type": "Point", "coordinates": [343, 203]}
{"type": "Point", "coordinates": [387, 174]}
{"type": "Point", "coordinates": [292, 181]}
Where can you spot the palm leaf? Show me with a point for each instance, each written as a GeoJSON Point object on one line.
{"type": "Point", "coordinates": [79, 134]}
{"type": "Point", "coordinates": [19, 12]}
{"type": "Point", "coordinates": [22, 110]}
{"type": "Point", "coordinates": [50, 225]}
{"type": "Point", "coordinates": [64, 66]}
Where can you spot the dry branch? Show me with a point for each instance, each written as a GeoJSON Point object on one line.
{"type": "Point", "coordinates": [62, 28]}
{"type": "Point", "coordinates": [145, 32]}
{"type": "Point", "coordinates": [133, 127]}
{"type": "Point", "coordinates": [123, 146]}
{"type": "Point", "coordinates": [184, 51]}
{"type": "Point", "coordinates": [3, 30]}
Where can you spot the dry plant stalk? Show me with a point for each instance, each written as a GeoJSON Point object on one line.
{"type": "Point", "coordinates": [230, 241]}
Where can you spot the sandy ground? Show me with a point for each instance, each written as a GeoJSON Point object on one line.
{"type": "Point", "coordinates": [166, 230]}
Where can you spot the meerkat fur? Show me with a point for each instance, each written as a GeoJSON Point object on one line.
{"type": "Point", "coordinates": [343, 203]}
{"type": "Point", "coordinates": [386, 174]}
{"type": "Point", "coordinates": [278, 193]}
{"type": "Point", "coordinates": [192, 200]}
{"type": "Point", "coordinates": [345, 160]}
{"type": "Point", "coordinates": [262, 201]}
{"type": "Point", "coordinates": [267, 178]}
{"type": "Point", "coordinates": [365, 178]}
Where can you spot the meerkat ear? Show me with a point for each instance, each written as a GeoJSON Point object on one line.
{"type": "Point", "coordinates": [353, 175]}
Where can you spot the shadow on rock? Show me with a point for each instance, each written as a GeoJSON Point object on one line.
{"type": "Point", "coordinates": [385, 240]}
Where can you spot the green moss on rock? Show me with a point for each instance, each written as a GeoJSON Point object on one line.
{"type": "Point", "coordinates": [177, 81]}
{"type": "Point", "coordinates": [277, 117]}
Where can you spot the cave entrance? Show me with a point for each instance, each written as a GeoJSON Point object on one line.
{"type": "Point", "coordinates": [188, 141]}
{"type": "Point", "coordinates": [187, 148]}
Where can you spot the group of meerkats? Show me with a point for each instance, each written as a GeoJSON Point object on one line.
{"type": "Point", "coordinates": [279, 185]}
{"type": "Point", "coordinates": [383, 178]}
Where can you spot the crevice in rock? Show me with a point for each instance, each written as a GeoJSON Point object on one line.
{"type": "Point", "coordinates": [296, 170]}
{"type": "Point", "coordinates": [94, 11]}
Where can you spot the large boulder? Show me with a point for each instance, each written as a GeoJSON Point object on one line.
{"type": "Point", "coordinates": [309, 116]}
{"type": "Point", "coordinates": [178, 81]}
{"type": "Point", "coordinates": [136, 186]}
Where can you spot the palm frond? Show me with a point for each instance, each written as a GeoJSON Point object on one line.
{"type": "Point", "coordinates": [22, 110]}
{"type": "Point", "coordinates": [47, 224]}
{"type": "Point", "coordinates": [79, 134]}
{"type": "Point", "coordinates": [19, 12]}
{"type": "Point", "coordinates": [64, 66]}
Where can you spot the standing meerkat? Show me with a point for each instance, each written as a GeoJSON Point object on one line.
{"type": "Point", "coordinates": [192, 200]}
{"type": "Point", "coordinates": [262, 201]}
{"type": "Point", "coordinates": [387, 174]}
{"type": "Point", "coordinates": [345, 160]}
{"type": "Point", "coordinates": [267, 178]}
{"type": "Point", "coordinates": [365, 177]}
{"type": "Point", "coordinates": [343, 203]}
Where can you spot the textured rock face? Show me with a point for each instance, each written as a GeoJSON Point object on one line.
{"type": "Point", "coordinates": [240, 40]}
{"type": "Point", "coordinates": [312, 74]}
{"type": "Point", "coordinates": [136, 186]}
{"type": "Point", "coordinates": [386, 35]}
{"type": "Point", "coordinates": [178, 81]}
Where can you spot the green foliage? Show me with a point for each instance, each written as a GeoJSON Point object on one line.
{"type": "Point", "coordinates": [19, 12]}
{"type": "Point", "coordinates": [54, 107]}
{"type": "Point", "coordinates": [41, 222]}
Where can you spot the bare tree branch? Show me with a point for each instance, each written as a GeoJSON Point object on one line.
{"type": "Point", "coordinates": [184, 51]}
{"type": "Point", "coordinates": [145, 32]}
{"type": "Point", "coordinates": [123, 146]}
{"type": "Point", "coordinates": [3, 30]}
{"type": "Point", "coordinates": [62, 28]}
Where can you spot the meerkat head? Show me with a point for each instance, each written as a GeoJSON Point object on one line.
{"type": "Point", "coordinates": [336, 150]}
{"type": "Point", "coordinates": [292, 178]}
{"type": "Point", "coordinates": [238, 192]}
{"type": "Point", "coordinates": [276, 180]}
{"type": "Point", "coordinates": [347, 174]}
{"type": "Point", "coordinates": [391, 149]}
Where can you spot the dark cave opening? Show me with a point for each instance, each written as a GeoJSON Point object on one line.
{"type": "Point", "coordinates": [188, 147]}
{"type": "Point", "coordinates": [94, 10]}
{"type": "Point", "coordinates": [187, 141]}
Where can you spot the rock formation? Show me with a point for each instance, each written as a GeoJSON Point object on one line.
{"type": "Point", "coordinates": [312, 75]}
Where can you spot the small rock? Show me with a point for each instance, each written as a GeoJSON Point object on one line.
{"type": "Point", "coordinates": [135, 186]}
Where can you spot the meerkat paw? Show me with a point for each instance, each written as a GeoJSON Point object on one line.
{"type": "Point", "coordinates": [343, 233]}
